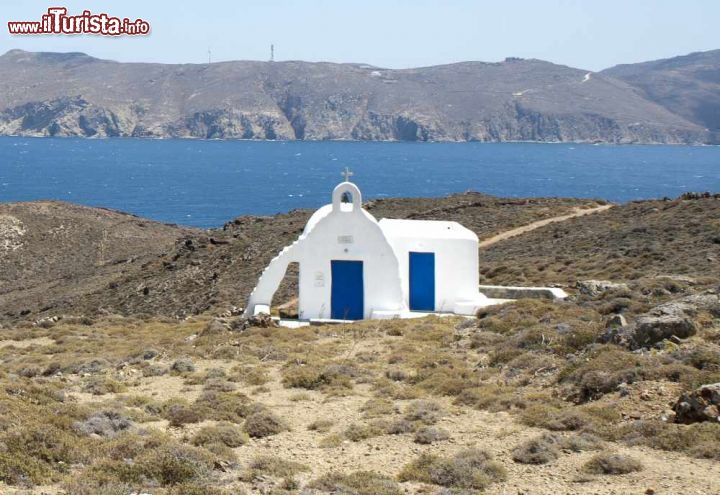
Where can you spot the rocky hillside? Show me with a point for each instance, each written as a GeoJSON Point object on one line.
{"type": "Point", "coordinates": [688, 86]}
{"type": "Point", "coordinates": [52, 251]}
{"type": "Point", "coordinates": [72, 94]}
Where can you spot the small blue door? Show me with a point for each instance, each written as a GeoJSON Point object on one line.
{"type": "Point", "coordinates": [422, 281]}
{"type": "Point", "coordinates": [347, 299]}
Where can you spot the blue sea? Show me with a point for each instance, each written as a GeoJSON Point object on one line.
{"type": "Point", "coordinates": [206, 183]}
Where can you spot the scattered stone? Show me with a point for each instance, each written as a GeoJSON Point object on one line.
{"type": "Point", "coordinates": [616, 320]}
{"type": "Point", "coordinates": [701, 404]}
{"type": "Point", "coordinates": [262, 320]}
{"type": "Point", "coordinates": [596, 287]}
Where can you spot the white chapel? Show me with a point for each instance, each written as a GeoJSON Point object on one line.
{"type": "Point", "coordinates": [353, 267]}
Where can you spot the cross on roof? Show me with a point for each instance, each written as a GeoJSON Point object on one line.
{"type": "Point", "coordinates": [347, 174]}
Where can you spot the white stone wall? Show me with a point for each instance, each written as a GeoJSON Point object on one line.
{"type": "Point", "coordinates": [456, 268]}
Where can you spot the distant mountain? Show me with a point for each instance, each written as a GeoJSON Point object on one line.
{"type": "Point", "coordinates": [73, 94]}
{"type": "Point", "coordinates": [688, 86]}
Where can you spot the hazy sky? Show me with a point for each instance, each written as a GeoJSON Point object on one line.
{"type": "Point", "coordinates": [591, 34]}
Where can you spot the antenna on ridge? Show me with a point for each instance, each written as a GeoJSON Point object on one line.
{"type": "Point", "coordinates": [272, 53]}
{"type": "Point", "coordinates": [209, 56]}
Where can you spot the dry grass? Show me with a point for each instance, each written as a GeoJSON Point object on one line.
{"type": "Point", "coordinates": [72, 419]}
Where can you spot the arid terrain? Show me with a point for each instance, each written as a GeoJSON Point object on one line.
{"type": "Point", "coordinates": [667, 101]}
{"type": "Point", "coordinates": [127, 369]}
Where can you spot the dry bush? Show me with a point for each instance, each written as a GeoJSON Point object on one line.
{"type": "Point", "coordinates": [319, 377]}
{"type": "Point", "coordinates": [375, 408]}
{"type": "Point", "coordinates": [172, 463]}
{"type": "Point", "coordinates": [183, 365]}
{"type": "Point", "coordinates": [582, 442]}
{"type": "Point", "coordinates": [143, 461]}
{"type": "Point", "coordinates": [195, 488]}
{"type": "Point", "coordinates": [609, 463]}
{"type": "Point", "coordinates": [357, 483]}
{"type": "Point", "coordinates": [154, 370]}
{"type": "Point", "coordinates": [602, 371]}
{"type": "Point", "coordinates": [267, 465]}
{"type": "Point", "coordinates": [400, 426]}
{"type": "Point", "coordinates": [180, 414]}
{"type": "Point", "coordinates": [699, 439]}
{"type": "Point", "coordinates": [20, 469]}
{"type": "Point", "coordinates": [396, 375]}
{"type": "Point", "coordinates": [103, 386]}
{"type": "Point", "coordinates": [263, 423]}
{"type": "Point", "coordinates": [424, 411]}
{"type": "Point", "coordinates": [540, 450]}
{"type": "Point", "coordinates": [493, 398]}
{"type": "Point", "coordinates": [429, 434]}
{"type": "Point", "coordinates": [104, 424]}
{"type": "Point", "coordinates": [222, 433]}
{"type": "Point", "coordinates": [468, 469]}
{"type": "Point", "coordinates": [441, 374]}
{"type": "Point", "coordinates": [358, 432]}
{"type": "Point", "coordinates": [385, 388]}
{"type": "Point", "coordinates": [221, 406]}
{"type": "Point", "coordinates": [331, 441]}
{"type": "Point", "coordinates": [321, 425]}
{"type": "Point", "coordinates": [556, 416]}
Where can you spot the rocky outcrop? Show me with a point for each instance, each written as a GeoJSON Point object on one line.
{"type": "Point", "coordinates": [674, 321]}
{"type": "Point", "coordinates": [649, 330]}
{"type": "Point", "coordinates": [702, 404]}
{"type": "Point", "coordinates": [516, 100]}
{"type": "Point", "coordinates": [594, 288]}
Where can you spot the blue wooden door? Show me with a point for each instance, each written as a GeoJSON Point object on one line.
{"type": "Point", "coordinates": [347, 294]}
{"type": "Point", "coordinates": [422, 281]}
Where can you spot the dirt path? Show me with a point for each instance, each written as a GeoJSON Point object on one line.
{"type": "Point", "coordinates": [579, 212]}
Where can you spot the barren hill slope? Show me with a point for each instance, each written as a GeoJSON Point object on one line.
{"type": "Point", "coordinates": [49, 249]}
{"type": "Point", "coordinates": [73, 94]}
{"type": "Point", "coordinates": [688, 85]}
